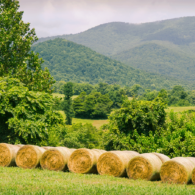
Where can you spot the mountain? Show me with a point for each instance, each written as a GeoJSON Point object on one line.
{"type": "Point", "coordinates": [155, 57]}
{"type": "Point", "coordinates": [69, 61]}
{"type": "Point", "coordinates": [165, 47]}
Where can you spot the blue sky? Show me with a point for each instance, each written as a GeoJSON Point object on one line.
{"type": "Point", "coordinates": [57, 17]}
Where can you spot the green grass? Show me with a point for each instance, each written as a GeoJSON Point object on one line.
{"type": "Point", "coordinates": [180, 109]}
{"type": "Point", "coordinates": [62, 95]}
{"type": "Point", "coordinates": [18, 181]}
{"type": "Point", "coordinates": [96, 123]}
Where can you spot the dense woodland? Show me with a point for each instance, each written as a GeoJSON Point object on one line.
{"type": "Point", "coordinates": [165, 47]}
{"type": "Point", "coordinates": [68, 61]}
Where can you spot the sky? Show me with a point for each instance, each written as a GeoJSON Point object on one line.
{"type": "Point", "coordinates": [58, 17]}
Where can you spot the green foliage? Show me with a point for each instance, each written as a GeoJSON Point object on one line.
{"type": "Point", "coordinates": [144, 116]}
{"type": "Point", "coordinates": [178, 97]}
{"type": "Point", "coordinates": [175, 97]}
{"type": "Point", "coordinates": [174, 136]}
{"type": "Point", "coordinates": [67, 104]}
{"type": "Point", "coordinates": [166, 47]}
{"type": "Point", "coordinates": [68, 61]}
{"type": "Point", "coordinates": [16, 39]}
{"type": "Point", "coordinates": [94, 105]}
{"type": "Point", "coordinates": [82, 136]}
{"type": "Point", "coordinates": [160, 58]}
{"type": "Point", "coordinates": [26, 116]}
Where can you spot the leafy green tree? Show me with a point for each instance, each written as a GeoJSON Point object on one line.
{"type": "Point", "coordinates": [82, 136]}
{"type": "Point", "coordinates": [117, 95]}
{"type": "Point", "coordinates": [94, 105]}
{"type": "Point", "coordinates": [16, 39]}
{"type": "Point", "coordinates": [67, 105]}
{"type": "Point", "coordinates": [133, 119]}
{"type": "Point", "coordinates": [26, 116]}
{"type": "Point", "coordinates": [178, 96]}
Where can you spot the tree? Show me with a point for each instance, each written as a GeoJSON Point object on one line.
{"type": "Point", "coordinates": [16, 39]}
{"type": "Point", "coordinates": [67, 105]}
{"type": "Point", "coordinates": [134, 119]}
{"type": "Point", "coordinates": [94, 105]}
{"type": "Point", "coordinates": [82, 136]}
{"type": "Point", "coordinates": [26, 116]}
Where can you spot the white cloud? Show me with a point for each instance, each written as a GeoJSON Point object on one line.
{"type": "Point", "coordinates": [56, 17]}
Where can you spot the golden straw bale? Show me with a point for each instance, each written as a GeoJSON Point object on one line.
{"type": "Point", "coordinates": [178, 170]}
{"type": "Point", "coordinates": [145, 166]}
{"type": "Point", "coordinates": [8, 154]}
{"type": "Point", "coordinates": [84, 160]}
{"type": "Point", "coordinates": [115, 162]}
{"type": "Point", "coordinates": [47, 147]}
{"type": "Point", "coordinates": [162, 157]}
{"type": "Point", "coordinates": [56, 159]}
{"type": "Point", "coordinates": [29, 156]}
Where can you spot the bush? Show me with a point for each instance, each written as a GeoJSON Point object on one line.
{"type": "Point", "coordinates": [94, 105]}
{"type": "Point", "coordinates": [82, 136]}
{"type": "Point", "coordinates": [26, 116]}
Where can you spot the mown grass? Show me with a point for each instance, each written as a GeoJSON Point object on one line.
{"type": "Point", "coordinates": [180, 109]}
{"type": "Point", "coordinates": [18, 181]}
{"type": "Point", "coordinates": [62, 95]}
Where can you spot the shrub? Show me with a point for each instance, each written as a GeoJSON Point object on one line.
{"type": "Point", "coordinates": [82, 136]}
{"type": "Point", "coordinates": [26, 116]}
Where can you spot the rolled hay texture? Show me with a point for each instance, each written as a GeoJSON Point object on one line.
{"type": "Point", "coordinates": [193, 173]}
{"type": "Point", "coordinates": [84, 160]}
{"type": "Point", "coordinates": [8, 154]}
{"type": "Point", "coordinates": [56, 159]}
{"type": "Point", "coordinates": [178, 170]}
{"type": "Point", "coordinates": [115, 162]}
{"type": "Point", "coordinates": [29, 156]}
{"type": "Point", "coordinates": [145, 166]}
{"type": "Point", "coordinates": [162, 157]}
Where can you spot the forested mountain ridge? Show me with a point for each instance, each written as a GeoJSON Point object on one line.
{"type": "Point", "coordinates": [174, 40]}
{"type": "Point", "coordinates": [68, 61]}
{"type": "Point", "coordinates": [155, 57]}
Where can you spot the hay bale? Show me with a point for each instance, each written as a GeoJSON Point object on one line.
{"type": "Point", "coordinates": [178, 170]}
{"type": "Point", "coordinates": [56, 159]}
{"type": "Point", "coordinates": [84, 160]}
{"type": "Point", "coordinates": [47, 147]}
{"type": "Point", "coordinates": [162, 157]}
{"type": "Point", "coordinates": [115, 162]}
{"type": "Point", "coordinates": [29, 156]}
{"type": "Point", "coordinates": [145, 166]}
{"type": "Point", "coordinates": [8, 154]}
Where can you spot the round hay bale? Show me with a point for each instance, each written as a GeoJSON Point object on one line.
{"type": "Point", "coordinates": [56, 159]}
{"type": "Point", "coordinates": [162, 157]}
{"type": "Point", "coordinates": [47, 147]}
{"type": "Point", "coordinates": [145, 166]}
{"type": "Point", "coordinates": [115, 162]}
{"type": "Point", "coordinates": [8, 154]}
{"type": "Point", "coordinates": [84, 160]}
{"type": "Point", "coordinates": [29, 156]}
{"type": "Point", "coordinates": [177, 170]}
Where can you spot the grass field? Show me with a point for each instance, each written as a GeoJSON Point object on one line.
{"type": "Point", "coordinates": [16, 181]}
{"type": "Point", "coordinates": [180, 109]}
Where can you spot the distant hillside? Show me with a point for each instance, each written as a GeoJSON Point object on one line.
{"type": "Point", "coordinates": [69, 61]}
{"type": "Point", "coordinates": [166, 47]}
{"type": "Point", "coordinates": [154, 57]}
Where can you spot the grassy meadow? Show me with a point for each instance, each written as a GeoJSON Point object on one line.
{"type": "Point", "coordinates": [19, 181]}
